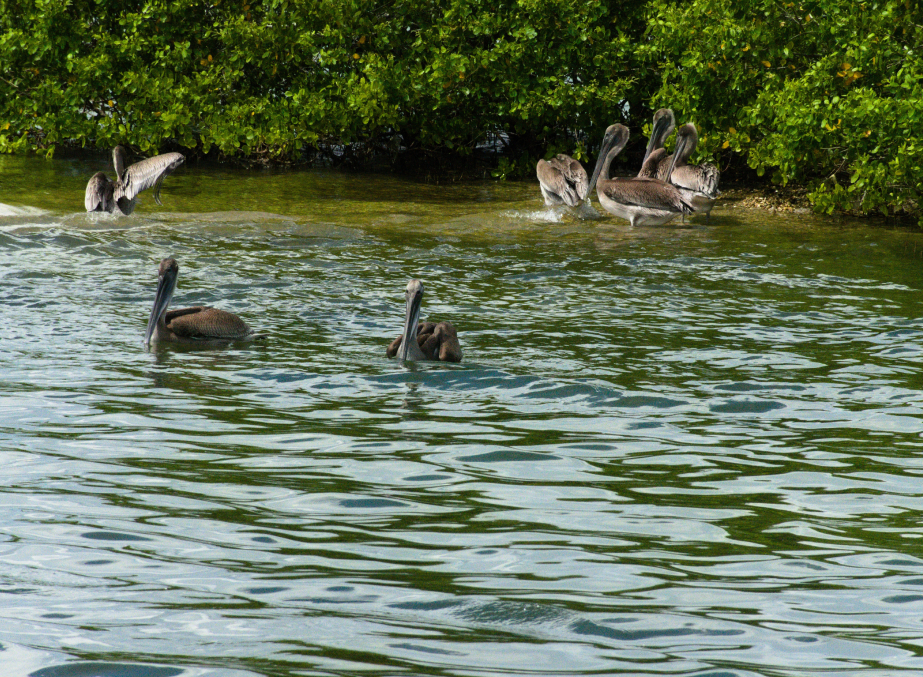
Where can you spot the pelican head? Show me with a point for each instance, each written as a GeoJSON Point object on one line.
{"type": "Point", "coordinates": [689, 137]}
{"type": "Point", "coordinates": [616, 137]}
{"type": "Point", "coordinates": [686, 139]}
{"type": "Point", "coordinates": [409, 349]}
{"type": "Point", "coordinates": [169, 269]}
{"type": "Point", "coordinates": [664, 122]}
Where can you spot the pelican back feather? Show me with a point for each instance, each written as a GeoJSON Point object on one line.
{"type": "Point", "coordinates": [700, 178]}
{"type": "Point", "coordinates": [439, 342]}
{"type": "Point", "coordinates": [648, 193]}
{"type": "Point", "coordinates": [98, 197]}
{"type": "Point", "coordinates": [554, 185]}
{"type": "Point", "coordinates": [206, 324]}
{"type": "Point", "coordinates": [574, 174]}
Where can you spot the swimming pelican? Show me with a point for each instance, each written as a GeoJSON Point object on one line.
{"type": "Point", "coordinates": [104, 195]}
{"type": "Point", "coordinates": [644, 202]}
{"type": "Point", "coordinates": [562, 180]}
{"type": "Point", "coordinates": [190, 325]}
{"type": "Point", "coordinates": [426, 340]}
{"type": "Point", "coordinates": [697, 183]}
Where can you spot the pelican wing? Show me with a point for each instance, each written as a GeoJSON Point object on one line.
{"type": "Point", "coordinates": [574, 174]}
{"type": "Point", "coordinates": [424, 331]}
{"type": "Point", "coordinates": [649, 193]}
{"type": "Point", "coordinates": [98, 197]}
{"type": "Point", "coordinates": [552, 179]}
{"type": "Point", "coordinates": [439, 342]}
{"type": "Point", "coordinates": [699, 178]}
{"type": "Point", "coordinates": [146, 174]}
{"type": "Point", "coordinates": [449, 347]}
{"type": "Point", "coordinates": [206, 324]}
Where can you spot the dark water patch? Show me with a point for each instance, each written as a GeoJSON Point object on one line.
{"type": "Point", "coordinates": [438, 605]}
{"type": "Point", "coordinates": [599, 630]}
{"type": "Point", "coordinates": [902, 599]}
{"type": "Point", "coordinates": [507, 457]}
{"type": "Point", "coordinates": [106, 670]}
{"type": "Point", "coordinates": [430, 650]}
{"type": "Point", "coordinates": [371, 503]}
{"type": "Point", "coordinates": [112, 536]}
{"type": "Point", "coordinates": [746, 407]}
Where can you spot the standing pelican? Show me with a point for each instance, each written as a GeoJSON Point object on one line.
{"type": "Point", "coordinates": [105, 196]}
{"type": "Point", "coordinates": [427, 340]}
{"type": "Point", "coordinates": [697, 183]}
{"type": "Point", "coordinates": [562, 180]}
{"type": "Point", "coordinates": [644, 202]}
{"type": "Point", "coordinates": [190, 325]}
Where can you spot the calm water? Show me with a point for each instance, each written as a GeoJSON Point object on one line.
{"type": "Point", "coordinates": [685, 450]}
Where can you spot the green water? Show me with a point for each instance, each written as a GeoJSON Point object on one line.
{"type": "Point", "coordinates": [691, 449]}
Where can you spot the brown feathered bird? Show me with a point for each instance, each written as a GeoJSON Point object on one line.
{"type": "Point", "coordinates": [190, 325]}
{"type": "Point", "coordinates": [103, 195]}
{"type": "Point", "coordinates": [425, 340]}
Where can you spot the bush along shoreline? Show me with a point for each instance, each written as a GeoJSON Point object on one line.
{"type": "Point", "coordinates": [824, 96]}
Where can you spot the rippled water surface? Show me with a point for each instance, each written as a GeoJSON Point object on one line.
{"type": "Point", "coordinates": [685, 450]}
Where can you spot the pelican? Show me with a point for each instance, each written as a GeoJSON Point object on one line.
{"type": "Point", "coordinates": [425, 340]}
{"type": "Point", "coordinates": [644, 202]}
{"type": "Point", "coordinates": [104, 195]}
{"type": "Point", "coordinates": [697, 183]}
{"type": "Point", "coordinates": [664, 123]}
{"type": "Point", "coordinates": [562, 180]}
{"type": "Point", "coordinates": [190, 325]}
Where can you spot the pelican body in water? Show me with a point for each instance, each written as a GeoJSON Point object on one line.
{"type": "Point", "coordinates": [104, 195]}
{"type": "Point", "coordinates": [198, 324]}
{"type": "Point", "coordinates": [562, 180]}
{"type": "Point", "coordinates": [697, 183]}
{"type": "Point", "coordinates": [424, 340]}
{"type": "Point", "coordinates": [640, 201]}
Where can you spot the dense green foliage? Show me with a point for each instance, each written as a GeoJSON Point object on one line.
{"type": "Point", "coordinates": [822, 93]}
{"type": "Point", "coordinates": [828, 93]}
{"type": "Point", "coordinates": [271, 76]}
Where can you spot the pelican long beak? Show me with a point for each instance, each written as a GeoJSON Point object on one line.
{"type": "Point", "coordinates": [165, 289]}
{"type": "Point", "coordinates": [682, 142]}
{"type": "Point", "coordinates": [608, 140]}
{"type": "Point", "coordinates": [659, 133]}
{"type": "Point", "coordinates": [411, 323]}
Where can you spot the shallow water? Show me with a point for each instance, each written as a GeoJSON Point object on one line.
{"type": "Point", "coordinates": [688, 450]}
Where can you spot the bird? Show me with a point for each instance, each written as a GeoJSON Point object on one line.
{"type": "Point", "coordinates": [190, 325]}
{"type": "Point", "coordinates": [641, 201]}
{"type": "Point", "coordinates": [103, 195]}
{"type": "Point", "coordinates": [664, 123]}
{"type": "Point", "coordinates": [697, 183]}
{"type": "Point", "coordinates": [425, 340]}
{"type": "Point", "coordinates": [562, 180]}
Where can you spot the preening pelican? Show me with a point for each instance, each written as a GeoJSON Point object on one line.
{"type": "Point", "coordinates": [641, 201]}
{"type": "Point", "coordinates": [190, 325]}
{"type": "Point", "coordinates": [104, 195]}
{"type": "Point", "coordinates": [427, 340]}
{"type": "Point", "coordinates": [562, 180]}
{"type": "Point", "coordinates": [697, 183]}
